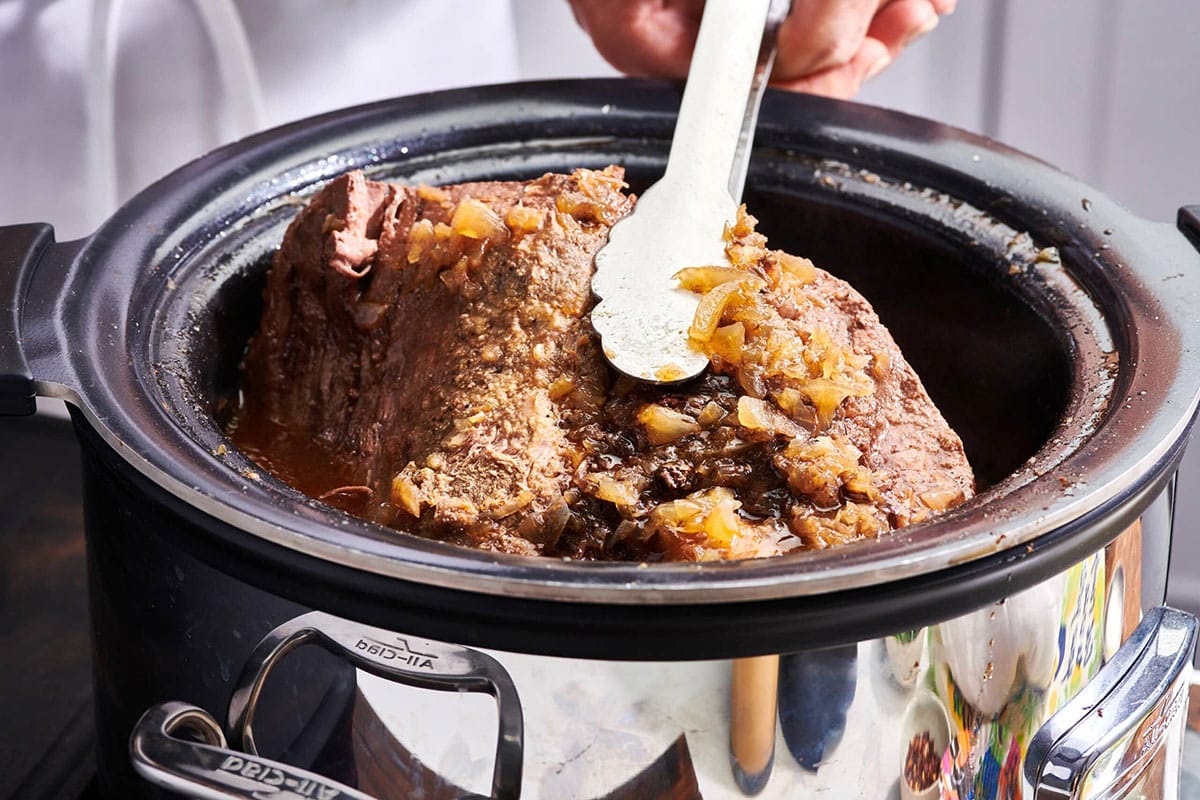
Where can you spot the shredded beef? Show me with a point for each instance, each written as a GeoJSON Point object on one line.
{"type": "Point", "coordinates": [425, 360]}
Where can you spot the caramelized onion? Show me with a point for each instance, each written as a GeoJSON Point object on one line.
{"type": "Point", "coordinates": [704, 279]}
{"type": "Point", "coordinates": [727, 343]}
{"type": "Point", "coordinates": [420, 240]}
{"type": "Point", "coordinates": [475, 220]}
{"type": "Point", "coordinates": [524, 220]}
{"type": "Point", "coordinates": [711, 514]}
{"type": "Point", "coordinates": [826, 396]}
{"type": "Point", "coordinates": [664, 425]}
{"type": "Point", "coordinates": [432, 194]}
{"type": "Point", "coordinates": [759, 415]}
{"type": "Point", "coordinates": [712, 305]}
{"type": "Point", "coordinates": [942, 498]}
{"type": "Point", "coordinates": [619, 493]}
{"type": "Point", "coordinates": [406, 495]}
{"type": "Point", "coordinates": [711, 414]}
{"type": "Point", "coordinates": [793, 402]}
{"type": "Point", "coordinates": [801, 268]}
{"type": "Point", "coordinates": [513, 505]}
{"type": "Point", "coordinates": [561, 388]}
{"type": "Point", "coordinates": [850, 522]}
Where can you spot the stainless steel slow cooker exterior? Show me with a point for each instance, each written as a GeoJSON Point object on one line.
{"type": "Point", "coordinates": [1059, 333]}
{"type": "Point", "coordinates": [1008, 701]}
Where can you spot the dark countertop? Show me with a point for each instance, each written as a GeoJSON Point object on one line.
{"type": "Point", "coordinates": [45, 707]}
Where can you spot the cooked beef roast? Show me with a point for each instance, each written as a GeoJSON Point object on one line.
{"type": "Point", "coordinates": [425, 360]}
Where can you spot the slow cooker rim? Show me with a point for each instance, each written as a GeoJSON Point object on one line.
{"type": "Point", "coordinates": [659, 632]}
{"type": "Point", "coordinates": [470, 570]}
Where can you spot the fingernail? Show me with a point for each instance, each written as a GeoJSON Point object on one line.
{"type": "Point", "coordinates": [876, 68]}
{"type": "Point", "coordinates": [925, 28]}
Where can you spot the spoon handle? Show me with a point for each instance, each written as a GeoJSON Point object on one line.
{"type": "Point", "coordinates": [726, 80]}
{"type": "Point", "coordinates": [643, 315]}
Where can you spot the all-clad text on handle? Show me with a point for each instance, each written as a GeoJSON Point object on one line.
{"type": "Point", "coordinates": [396, 657]}
{"type": "Point", "coordinates": [209, 770]}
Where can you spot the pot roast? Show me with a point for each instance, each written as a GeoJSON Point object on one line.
{"type": "Point", "coordinates": [425, 360]}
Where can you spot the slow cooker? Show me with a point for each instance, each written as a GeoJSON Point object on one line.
{"type": "Point", "coordinates": [1015, 646]}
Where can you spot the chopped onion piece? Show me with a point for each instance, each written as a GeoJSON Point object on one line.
{"type": "Point", "coordinates": [793, 402]}
{"type": "Point", "coordinates": [826, 397]}
{"type": "Point", "coordinates": [711, 414]}
{"type": "Point", "coordinates": [721, 524]}
{"type": "Point", "coordinates": [676, 514]}
{"type": "Point", "coordinates": [727, 342]}
{"type": "Point", "coordinates": [881, 365]}
{"type": "Point", "coordinates": [561, 388]}
{"type": "Point", "coordinates": [712, 306]}
{"type": "Point", "coordinates": [664, 425]}
{"type": "Point", "coordinates": [513, 505]}
{"type": "Point", "coordinates": [617, 492]}
{"type": "Point", "coordinates": [704, 279]}
{"type": "Point", "coordinates": [524, 220]}
{"type": "Point", "coordinates": [420, 239]}
{"type": "Point", "coordinates": [406, 495]}
{"type": "Point", "coordinates": [941, 499]}
{"type": "Point", "coordinates": [475, 220]}
{"type": "Point", "coordinates": [557, 517]}
{"type": "Point", "coordinates": [801, 268]}
{"type": "Point", "coordinates": [711, 513]}
{"type": "Point", "coordinates": [858, 486]}
{"type": "Point", "coordinates": [432, 194]}
{"type": "Point", "coordinates": [759, 415]}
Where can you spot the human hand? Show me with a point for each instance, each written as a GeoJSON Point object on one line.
{"type": "Point", "coordinates": [828, 47]}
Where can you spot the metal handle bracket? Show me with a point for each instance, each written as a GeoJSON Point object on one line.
{"type": "Point", "coordinates": [396, 657]}
{"type": "Point", "coordinates": [208, 770]}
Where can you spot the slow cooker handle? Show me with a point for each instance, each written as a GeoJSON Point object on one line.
{"type": "Point", "coordinates": [396, 657]}
{"type": "Point", "coordinates": [1111, 729]}
{"type": "Point", "coordinates": [28, 313]}
{"type": "Point", "coordinates": [1188, 221]}
{"type": "Point", "coordinates": [202, 766]}
{"type": "Point", "coordinates": [34, 274]}
{"type": "Point", "coordinates": [21, 248]}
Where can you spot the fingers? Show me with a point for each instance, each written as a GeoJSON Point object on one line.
{"type": "Point", "coordinates": [902, 22]}
{"type": "Point", "coordinates": [820, 35]}
{"type": "Point", "coordinates": [825, 46]}
{"type": "Point", "coordinates": [895, 24]}
{"type": "Point", "coordinates": [643, 38]}
{"type": "Point", "coordinates": [844, 81]}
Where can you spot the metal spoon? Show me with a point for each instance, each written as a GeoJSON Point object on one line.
{"type": "Point", "coordinates": [643, 315]}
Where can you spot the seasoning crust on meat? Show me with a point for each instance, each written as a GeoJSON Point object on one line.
{"type": "Point", "coordinates": [425, 360]}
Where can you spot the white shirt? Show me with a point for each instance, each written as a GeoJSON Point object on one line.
{"type": "Point", "coordinates": [104, 96]}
